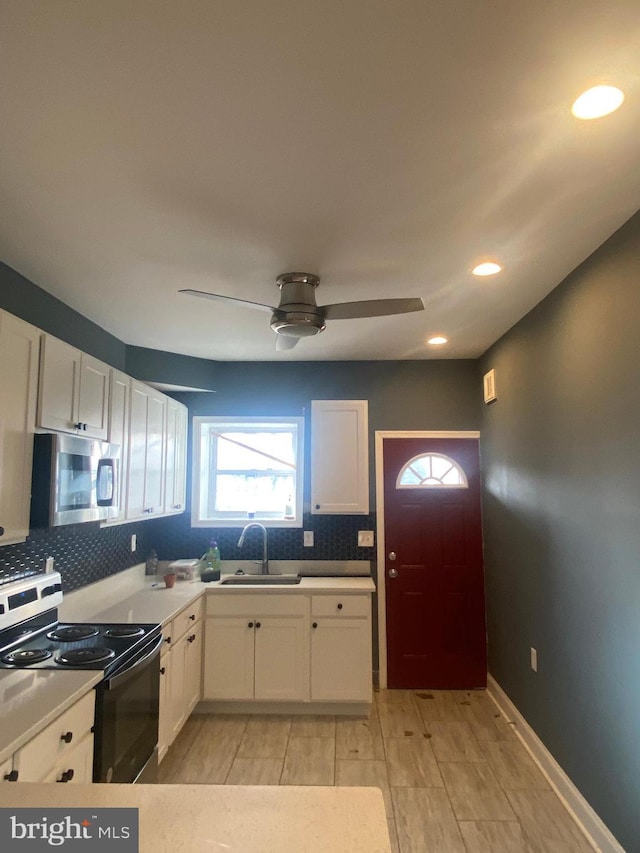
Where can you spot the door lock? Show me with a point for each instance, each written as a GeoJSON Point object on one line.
{"type": "Point", "coordinates": [392, 555]}
{"type": "Point", "coordinates": [393, 573]}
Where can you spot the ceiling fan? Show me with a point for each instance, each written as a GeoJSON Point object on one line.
{"type": "Point", "coordinates": [298, 316]}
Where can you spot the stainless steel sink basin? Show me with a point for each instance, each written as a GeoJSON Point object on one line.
{"type": "Point", "coordinates": [260, 580]}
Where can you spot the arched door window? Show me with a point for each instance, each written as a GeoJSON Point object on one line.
{"type": "Point", "coordinates": [431, 471]}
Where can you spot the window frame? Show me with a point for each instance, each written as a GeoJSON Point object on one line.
{"type": "Point", "coordinates": [438, 486]}
{"type": "Point", "coordinates": [239, 422]}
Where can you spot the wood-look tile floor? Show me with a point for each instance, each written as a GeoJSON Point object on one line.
{"type": "Point", "coordinates": [453, 774]}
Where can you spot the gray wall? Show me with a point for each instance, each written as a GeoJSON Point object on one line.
{"type": "Point", "coordinates": [26, 300]}
{"type": "Point", "coordinates": [561, 459]}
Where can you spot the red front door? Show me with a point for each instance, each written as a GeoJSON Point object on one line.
{"type": "Point", "coordinates": [434, 576]}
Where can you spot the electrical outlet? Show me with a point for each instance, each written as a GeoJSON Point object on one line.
{"type": "Point", "coordinates": [534, 659]}
{"type": "Point", "coordinates": [365, 538]}
{"type": "Point", "coordinates": [308, 539]}
{"type": "Point", "coordinates": [134, 542]}
{"type": "Point", "coordinates": [48, 564]}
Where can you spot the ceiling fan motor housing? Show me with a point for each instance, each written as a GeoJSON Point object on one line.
{"type": "Point", "coordinates": [297, 315]}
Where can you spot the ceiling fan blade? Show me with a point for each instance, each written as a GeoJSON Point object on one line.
{"type": "Point", "coordinates": [244, 303]}
{"type": "Point", "coordinates": [370, 308]}
{"type": "Point", "coordinates": [285, 342]}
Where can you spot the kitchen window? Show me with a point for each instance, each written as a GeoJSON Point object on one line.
{"type": "Point", "coordinates": [247, 469]}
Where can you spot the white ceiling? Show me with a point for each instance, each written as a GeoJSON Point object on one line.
{"type": "Point", "coordinates": [386, 145]}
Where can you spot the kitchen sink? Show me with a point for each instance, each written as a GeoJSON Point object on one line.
{"type": "Point", "coordinates": [260, 580]}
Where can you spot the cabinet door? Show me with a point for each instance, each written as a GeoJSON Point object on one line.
{"type": "Point", "coordinates": [341, 660]}
{"type": "Point", "coordinates": [19, 355]}
{"type": "Point", "coordinates": [164, 720]}
{"type": "Point", "coordinates": [228, 657]}
{"type": "Point", "coordinates": [118, 433]}
{"type": "Point", "coordinates": [59, 385]}
{"type": "Point", "coordinates": [93, 397]}
{"type": "Point", "coordinates": [339, 457]}
{"type": "Point", "coordinates": [177, 685]}
{"type": "Point", "coordinates": [193, 668]}
{"type": "Point", "coordinates": [175, 453]}
{"type": "Point", "coordinates": [145, 474]}
{"type": "Point", "coordinates": [280, 652]}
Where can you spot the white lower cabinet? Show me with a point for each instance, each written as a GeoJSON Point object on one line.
{"type": "Point", "coordinates": [180, 673]}
{"type": "Point", "coordinates": [256, 647]}
{"type": "Point", "coordinates": [288, 648]}
{"type": "Point", "coordinates": [341, 648]}
{"type": "Point", "coordinates": [61, 752]}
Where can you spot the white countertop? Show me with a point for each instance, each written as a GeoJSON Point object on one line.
{"type": "Point", "coordinates": [31, 699]}
{"type": "Point", "coordinates": [155, 603]}
{"type": "Point", "coordinates": [234, 818]}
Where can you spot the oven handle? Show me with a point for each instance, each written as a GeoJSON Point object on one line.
{"type": "Point", "coordinates": [130, 671]}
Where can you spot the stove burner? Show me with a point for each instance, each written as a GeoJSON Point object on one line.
{"type": "Point", "coordinates": [71, 633]}
{"type": "Point", "coordinates": [84, 657]}
{"type": "Point", "coordinates": [23, 657]}
{"type": "Point", "coordinates": [120, 631]}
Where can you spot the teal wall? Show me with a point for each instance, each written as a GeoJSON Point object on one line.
{"type": "Point", "coordinates": [561, 461]}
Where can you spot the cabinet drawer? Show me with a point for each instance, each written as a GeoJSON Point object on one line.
{"type": "Point", "coordinates": [77, 767]}
{"type": "Point", "coordinates": [48, 748]}
{"type": "Point", "coordinates": [186, 619]}
{"type": "Point", "coordinates": [253, 604]}
{"type": "Point", "coordinates": [340, 605]}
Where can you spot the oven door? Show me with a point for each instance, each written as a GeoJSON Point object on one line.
{"type": "Point", "coordinates": [126, 730]}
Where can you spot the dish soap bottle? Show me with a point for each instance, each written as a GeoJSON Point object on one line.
{"type": "Point", "coordinates": [211, 560]}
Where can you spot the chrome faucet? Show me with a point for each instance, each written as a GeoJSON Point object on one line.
{"type": "Point", "coordinates": [264, 564]}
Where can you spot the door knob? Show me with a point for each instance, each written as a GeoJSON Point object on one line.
{"type": "Point", "coordinates": [393, 573]}
{"type": "Point", "coordinates": [392, 555]}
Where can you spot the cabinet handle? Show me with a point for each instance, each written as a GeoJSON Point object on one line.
{"type": "Point", "coordinates": [317, 506]}
{"type": "Point", "coordinates": [84, 427]}
{"type": "Point", "coordinates": [162, 670]}
{"type": "Point", "coordinates": [191, 638]}
{"type": "Point", "coordinates": [167, 639]}
{"type": "Point", "coordinates": [1, 531]}
{"type": "Point", "coordinates": [315, 625]}
{"type": "Point", "coordinates": [257, 624]}
{"type": "Point", "coordinates": [67, 737]}
{"type": "Point", "coordinates": [339, 606]}
{"type": "Point", "coordinates": [250, 625]}
{"type": "Point", "coordinates": [11, 777]}
{"type": "Point", "coordinates": [67, 776]}
{"type": "Point", "coordinates": [177, 506]}
{"type": "Point", "coordinates": [193, 617]}
{"type": "Point", "coordinates": [78, 425]}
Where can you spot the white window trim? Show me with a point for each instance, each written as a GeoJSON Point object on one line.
{"type": "Point", "coordinates": [439, 485]}
{"type": "Point", "coordinates": [198, 422]}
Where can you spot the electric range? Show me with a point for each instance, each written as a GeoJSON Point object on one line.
{"type": "Point", "coordinates": [127, 698]}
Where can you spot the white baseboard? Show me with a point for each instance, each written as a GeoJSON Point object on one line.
{"type": "Point", "coordinates": [591, 825]}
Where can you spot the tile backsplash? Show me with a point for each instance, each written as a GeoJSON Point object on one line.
{"type": "Point", "coordinates": [85, 553]}
{"type": "Point", "coordinates": [335, 538]}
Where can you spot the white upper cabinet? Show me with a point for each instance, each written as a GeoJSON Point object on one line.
{"type": "Point", "coordinates": [118, 433]}
{"type": "Point", "coordinates": [19, 356]}
{"type": "Point", "coordinates": [74, 390]}
{"type": "Point", "coordinates": [145, 473]}
{"type": "Point", "coordinates": [339, 457]}
{"type": "Point", "coordinates": [176, 457]}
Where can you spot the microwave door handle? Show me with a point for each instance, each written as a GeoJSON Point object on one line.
{"type": "Point", "coordinates": [132, 670]}
{"type": "Point", "coordinates": [105, 466]}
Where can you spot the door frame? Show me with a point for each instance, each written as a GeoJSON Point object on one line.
{"type": "Point", "coordinates": [380, 436]}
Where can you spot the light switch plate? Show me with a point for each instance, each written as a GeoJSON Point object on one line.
{"type": "Point", "coordinates": [365, 538]}
{"type": "Point", "coordinates": [134, 542]}
{"type": "Point", "coordinates": [308, 539]}
{"type": "Point", "coordinates": [48, 564]}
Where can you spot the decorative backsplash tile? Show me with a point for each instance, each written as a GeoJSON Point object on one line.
{"type": "Point", "coordinates": [83, 553]}
{"type": "Point", "coordinates": [335, 538]}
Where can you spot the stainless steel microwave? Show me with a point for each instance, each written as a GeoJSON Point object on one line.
{"type": "Point", "coordinates": [75, 479]}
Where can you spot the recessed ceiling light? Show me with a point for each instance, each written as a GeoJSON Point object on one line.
{"type": "Point", "coordinates": [487, 268]}
{"type": "Point", "coordinates": [598, 101]}
{"type": "Point", "coordinates": [438, 340]}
